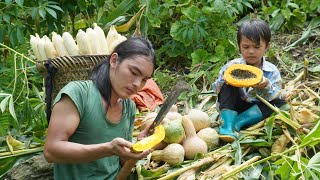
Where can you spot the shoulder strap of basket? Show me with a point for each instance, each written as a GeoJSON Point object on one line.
{"type": "Point", "coordinates": [51, 70]}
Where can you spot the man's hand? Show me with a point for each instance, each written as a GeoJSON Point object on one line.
{"type": "Point", "coordinates": [121, 148]}
{"type": "Point", "coordinates": [144, 132]}
{"type": "Point", "coordinates": [264, 82]}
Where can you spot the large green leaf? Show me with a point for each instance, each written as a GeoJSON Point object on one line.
{"type": "Point", "coordinates": [121, 9]}
{"type": "Point", "coordinates": [314, 133]}
{"type": "Point", "coordinates": [200, 56]}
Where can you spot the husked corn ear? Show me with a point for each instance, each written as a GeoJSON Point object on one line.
{"type": "Point", "coordinates": [101, 39]}
{"type": "Point", "coordinates": [70, 44]}
{"type": "Point", "coordinates": [42, 52]}
{"type": "Point", "coordinates": [59, 45]}
{"type": "Point", "coordinates": [83, 43]}
{"type": "Point", "coordinates": [34, 46]}
{"type": "Point", "coordinates": [115, 43]}
{"type": "Point", "coordinates": [93, 40]}
{"type": "Point", "coordinates": [111, 36]}
{"type": "Point", "coordinates": [49, 48]}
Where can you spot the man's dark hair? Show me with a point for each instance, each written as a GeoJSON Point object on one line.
{"type": "Point", "coordinates": [254, 30]}
{"type": "Point", "coordinates": [126, 50]}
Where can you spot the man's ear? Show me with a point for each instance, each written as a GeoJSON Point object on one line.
{"type": "Point", "coordinates": [113, 60]}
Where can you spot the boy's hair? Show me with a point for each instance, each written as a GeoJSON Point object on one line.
{"type": "Point", "coordinates": [254, 30]}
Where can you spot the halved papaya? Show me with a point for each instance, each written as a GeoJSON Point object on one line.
{"type": "Point", "coordinates": [242, 75]}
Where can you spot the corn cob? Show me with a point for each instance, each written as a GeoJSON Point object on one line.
{"type": "Point", "coordinates": [102, 39]}
{"type": "Point", "coordinates": [49, 48]}
{"type": "Point", "coordinates": [83, 43]}
{"type": "Point", "coordinates": [41, 49]}
{"type": "Point", "coordinates": [93, 40]}
{"type": "Point", "coordinates": [59, 45]}
{"type": "Point", "coordinates": [70, 44]}
{"type": "Point", "coordinates": [34, 46]}
{"type": "Point", "coordinates": [111, 36]}
{"type": "Point", "coordinates": [115, 43]}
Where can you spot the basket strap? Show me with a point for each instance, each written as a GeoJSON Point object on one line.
{"type": "Point", "coordinates": [49, 86]}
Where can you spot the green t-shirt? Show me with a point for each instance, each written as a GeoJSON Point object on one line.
{"type": "Point", "coordinates": [94, 128]}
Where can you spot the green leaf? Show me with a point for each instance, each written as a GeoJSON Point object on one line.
{"type": "Point", "coordinates": [247, 4]}
{"type": "Point", "coordinates": [36, 139]}
{"type": "Point", "coordinates": [52, 13]}
{"type": "Point", "coordinates": [294, 5]}
{"type": "Point", "coordinates": [6, 18]}
{"type": "Point", "coordinates": [277, 22]}
{"type": "Point", "coordinates": [122, 8]}
{"type": "Point", "coordinates": [155, 172]}
{"type": "Point", "coordinates": [2, 33]}
{"type": "Point", "coordinates": [4, 124]}
{"type": "Point", "coordinates": [218, 4]}
{"type": "Point", "coordinates": [314, 23]}
{"type": "Point", "coordinates": [20, 36]}
{"type": "Point", "coordinates": [13, 37]}
{"type": "Point", "coordinates": [315, 68]}
{"type": "Point", "coordinates": [8, 2]}
{"type": "Point", "coordinates": [314, 133]}
{"type": "Point", "coordinates": [6, 164]}
{"type": "Point", "coordinates": [314, 161]}
{"type": "Point", "coordinates": [12, 111]}
{"type": "Point", "coordinates": [238, 153]}
{"type": "Point", "coordinates": [55, 7]}
{"type": "Point", "coordinates": [42, 13]}
{"type": "Point", "coordinates": [269, 127]}
{"type": "Point", "coordinates": [200, 56]}
{"type": "Point", "coordinates": [192, 12]}
{"type": "Point", "coordinates": [285, 168]}
{"type": "Point", "coordinates": [286, 13]}
{"type": "Point", "coordinates": [20, 2]}
{"type": "Point", "coordinates": [4, 103]}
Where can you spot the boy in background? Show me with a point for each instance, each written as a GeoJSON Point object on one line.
{"type": "Point", "coordinates": [238, 106]}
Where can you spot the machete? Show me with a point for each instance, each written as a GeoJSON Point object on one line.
{"type": "Point", "coordinates": [171, 99]}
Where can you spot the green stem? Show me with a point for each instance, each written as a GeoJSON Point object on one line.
{"type": "Point", "coordinates": [268, 104]}
{"type": "Point", "coordinates": [20, 152]}
{"type": "Point", "coordinates": [234, 172]}
{"type": "Point", "coordinates": [17, 53]}
{"type": "Point", "coordinates": [280, 116]}
{"type": "Point", "coordinates": [15, 74]}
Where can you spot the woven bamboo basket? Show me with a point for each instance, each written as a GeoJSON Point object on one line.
{"type": "Point", "coordinates": [61, 70]}
{"type": "Point", "coordinates": [69, 68]}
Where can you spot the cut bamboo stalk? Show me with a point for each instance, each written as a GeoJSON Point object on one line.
{"type": "Point", "coordinates": [238, 168]}
{"type": "Point", "coordinates": [199, 163]}
{"type": "Point", "coordinates": [211, 171]}
{"type": "Point", "coordinates": [20, 152]}
{"type": "Point", "coordinates": [256, 126]}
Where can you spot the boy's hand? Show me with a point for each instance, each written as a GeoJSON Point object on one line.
{"type": "Point", "coordinates": [263, 83]}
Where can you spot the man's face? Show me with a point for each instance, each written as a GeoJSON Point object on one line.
{"type": "Point", "coordinates": [128, 77]}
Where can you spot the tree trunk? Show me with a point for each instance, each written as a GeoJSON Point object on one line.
{"type": "Point", "coordinates": [34, 168]}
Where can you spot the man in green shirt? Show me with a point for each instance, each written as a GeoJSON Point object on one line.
{"type": "Point", "coordinates": [90, 130]}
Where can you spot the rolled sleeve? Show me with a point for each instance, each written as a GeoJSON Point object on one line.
{"type": "Point", "coordinates": [273, 89]}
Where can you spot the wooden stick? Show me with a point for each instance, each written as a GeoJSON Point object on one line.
{"type": "Point", "coordinates": [126, 169]}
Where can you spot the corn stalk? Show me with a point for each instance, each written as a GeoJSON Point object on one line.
{"type": "Point", "coordinates": [292, 149]}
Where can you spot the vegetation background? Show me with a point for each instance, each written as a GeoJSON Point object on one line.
{"type": "Point", "coordinates": [193, 39]}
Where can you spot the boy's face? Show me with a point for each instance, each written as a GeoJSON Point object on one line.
{"type": "Point", "coordinates": [253, 52]}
